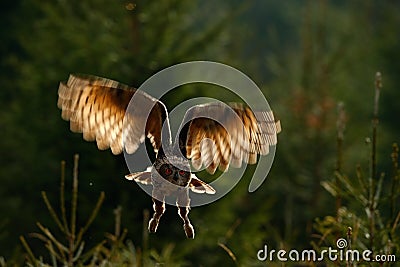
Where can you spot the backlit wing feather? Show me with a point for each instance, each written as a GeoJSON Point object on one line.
{"type": "Point", "coordinates": [217, 135]}
{"type": "Point", "coordinates": [97, 107]}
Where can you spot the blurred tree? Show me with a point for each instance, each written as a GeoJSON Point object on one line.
{"type": "Point", "coordinates": [306, 56]}
{"type": "Point", "coordinates": [309, 56]}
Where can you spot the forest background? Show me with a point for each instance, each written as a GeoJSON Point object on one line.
{"type": "Point", "coordinates": [306, 56]}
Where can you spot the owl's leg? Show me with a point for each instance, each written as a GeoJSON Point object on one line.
{"type": "Point", "coordinates": [183, 203]}
{"type": "Point", "coordinates": [159, 208]}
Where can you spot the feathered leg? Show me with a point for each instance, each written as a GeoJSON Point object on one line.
{"type": "Point", "coordinates": [183, 203]}
{"type": "Point", "coordinates": [159, 208]}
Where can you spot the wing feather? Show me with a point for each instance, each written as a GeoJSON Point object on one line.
{"type": "Point", "coordinates": [198, 186]}
{"type": "Point", "coordinates": [234, 134]}
{"type": "Point", "coordinates": [97, 108]}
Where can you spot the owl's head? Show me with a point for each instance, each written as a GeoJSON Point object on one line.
{"type": "Point", "coordinates": [174, 169]}
{"type": "Point", "coordinates": [174, 175]}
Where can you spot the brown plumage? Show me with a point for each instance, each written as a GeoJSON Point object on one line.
{"type": "Point", "coordinates": [249, 135]}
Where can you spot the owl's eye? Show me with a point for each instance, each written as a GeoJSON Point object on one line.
{"type": "Point", "coordinates": [182, 173]}
{"type": "Point", "coordinates": [167, 171]}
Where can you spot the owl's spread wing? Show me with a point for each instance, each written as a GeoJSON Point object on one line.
{"type": "Point", "coordinates": [141, 177]}
{"type": "Point", "coordinates": [97, 107]}
{"type": "Point", "coordinates": [200, 187]}
{"type": "Point", "coordinates": [233, 135]}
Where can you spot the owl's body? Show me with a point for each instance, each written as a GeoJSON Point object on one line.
{"type": "Point", "coordinates": [171, 176]}
{"type": "Point", "coordinates": [171, 179]}
{"type": "Point", "coordinates": [212, 136]}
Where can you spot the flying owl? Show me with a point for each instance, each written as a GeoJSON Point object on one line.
{"type": "Point", "coordinates": [212, 136]}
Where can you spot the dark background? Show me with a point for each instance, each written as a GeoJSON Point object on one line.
{"type": "Point", "coordinates": [306, 56]}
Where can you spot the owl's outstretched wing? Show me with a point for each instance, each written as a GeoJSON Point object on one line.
{"type": "Point", "coordinates": [97, 108]}
{"type": "Point", "coordinates": [217, 135]}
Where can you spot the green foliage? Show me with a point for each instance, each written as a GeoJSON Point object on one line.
{"type": "Point", "coordinates": [368, 217]}
{"type": "Point", "coordinates": [306, 56]}
{"type": "Point", "coordinates": [55, 38]}
{"type": "Point", "coordinates": [71, 250]}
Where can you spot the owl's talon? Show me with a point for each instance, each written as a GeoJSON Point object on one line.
{"type": "Point", "coordinates": [153, 224]}
{"type": "Point", "coordinates": [189, 230]}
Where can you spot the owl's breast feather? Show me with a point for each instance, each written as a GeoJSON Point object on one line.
{"type": "Point", "coordinates": [164, 186]}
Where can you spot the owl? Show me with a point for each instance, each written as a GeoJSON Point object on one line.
{"type": "Point", "coordinates": [213, 136]}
